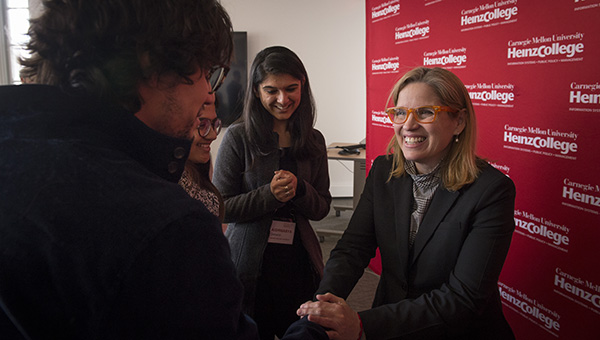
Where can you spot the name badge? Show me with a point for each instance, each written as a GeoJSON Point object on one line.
{"type": "Point", "coordinates": [282, 232]}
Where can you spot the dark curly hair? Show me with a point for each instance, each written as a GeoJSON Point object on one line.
{"type": "Point", "coordinates": [105, 48]}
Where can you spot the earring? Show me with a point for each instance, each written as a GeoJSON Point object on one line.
{"type": "Point", "coordinates": [456, 139]}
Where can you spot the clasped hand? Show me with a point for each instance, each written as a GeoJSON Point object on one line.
{"type": "Point", "coordinates": [283, 185]}
{"type": "Point", "coordinates": [334, 314]}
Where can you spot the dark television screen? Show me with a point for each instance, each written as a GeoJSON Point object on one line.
{"type": "Point", "coordinates": [230, 97]}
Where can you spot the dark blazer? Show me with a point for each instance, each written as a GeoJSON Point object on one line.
{"type": "Point", "coordinates": [445, 286]}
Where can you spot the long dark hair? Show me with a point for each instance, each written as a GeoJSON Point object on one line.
{"type": "Point", "coordinates": [258, 122]}
{"type": "Point", "coordinates": [105, 48]}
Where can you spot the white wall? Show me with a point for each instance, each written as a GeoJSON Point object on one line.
{"type": "Point", "coordinates": [35, 8]}
{"type": "Point", "coordinates": [329, 37]}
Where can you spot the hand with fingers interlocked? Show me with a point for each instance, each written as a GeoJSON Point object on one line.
{"type": "Point", "coordinates": [284, 185]}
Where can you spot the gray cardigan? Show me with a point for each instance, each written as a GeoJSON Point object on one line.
{"type": "Point", "coordinates": [249, 203]}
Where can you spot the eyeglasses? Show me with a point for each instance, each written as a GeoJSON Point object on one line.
{"type": "Point", "coordinates": [423, 114]}
{"type": "Point", "coordinates": [206, 124]}
{"type": "Point", "coordinates": [215, 77]}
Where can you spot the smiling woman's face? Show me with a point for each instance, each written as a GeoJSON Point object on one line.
{"type": "Point", "coordinates": [425, 144]}
{"type": "Point", "coordinates": [200, 151]}
{"type": "Point", "coordinates": [280, 94]}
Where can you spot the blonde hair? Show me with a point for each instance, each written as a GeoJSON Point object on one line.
{"type": "Point", "coordinates": [461, 165]}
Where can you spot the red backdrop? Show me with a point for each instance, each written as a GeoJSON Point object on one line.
{"type": "Point", "coordinates": [533, 72]}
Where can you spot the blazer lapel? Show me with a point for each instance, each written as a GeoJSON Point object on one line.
{"type": "Point", "coordinates": [403, 200]}
{"type": "Point", "coordinates": [442, 201]}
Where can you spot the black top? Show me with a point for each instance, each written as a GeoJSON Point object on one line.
{"type": "Point", "coordinates": [283, 255]}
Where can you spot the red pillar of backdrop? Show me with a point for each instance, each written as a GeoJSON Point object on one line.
{"type": "Point", "coordinates": [532, 70]}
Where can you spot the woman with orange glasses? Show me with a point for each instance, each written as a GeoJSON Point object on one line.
{"type": "Point", "coordinates": [442, 219]}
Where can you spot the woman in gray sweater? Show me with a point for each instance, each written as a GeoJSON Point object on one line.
{"type": "Point", "coordinates": [271, 169]}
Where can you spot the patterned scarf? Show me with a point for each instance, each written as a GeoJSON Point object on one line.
{"type": "Point", "coordinates": [207, 197]}
{"type": "Point", "coordinates": [424, 186]}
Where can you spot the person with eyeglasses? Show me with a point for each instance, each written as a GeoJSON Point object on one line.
{"type": "Point", "coordinates": [441, 217]}
{"type": "Point", "coordinates": [196, 177]}
{"type": "Point", "coordinates": [271, 169]}
{"type": "Point", "coordinates": [98, 240]}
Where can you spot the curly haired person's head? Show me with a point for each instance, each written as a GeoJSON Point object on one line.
{"type": "Point", "coordinates": [106, 48]}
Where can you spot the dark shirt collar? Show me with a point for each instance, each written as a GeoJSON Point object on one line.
{"type": "Point", "coordinates": [45, 111]}
{"type": "Point", "coordinates": [161, 154]}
